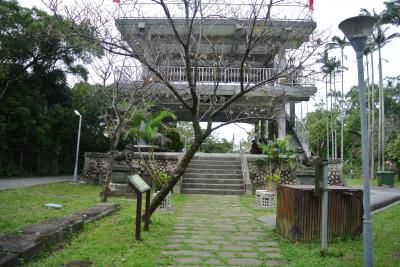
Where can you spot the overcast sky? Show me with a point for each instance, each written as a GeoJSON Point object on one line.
{"type": "Point", "coordinates": [328, 14]}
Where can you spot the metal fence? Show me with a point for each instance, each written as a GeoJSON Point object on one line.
{"type": "Point", "coordinates": [177, 74]}
{"type": "Point", "coordinates": [24, 162]}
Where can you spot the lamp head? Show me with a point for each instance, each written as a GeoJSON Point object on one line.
{"type": "Point", "coordinates": [357, 29]}
{"type": "Point", "coordinates": [77, 113]}
{"type": "Point", "coordinates": [359, 26]}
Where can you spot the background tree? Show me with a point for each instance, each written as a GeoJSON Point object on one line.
{"type": "Point", "coordinates": [36, 102]}
{"type": "Point", "coordinates": [392, 12]}
{"type": "Point", "coordinates": [214, 144]}
{"type": "Point", "coordinates": [337, 42]}
{"type": "Point", "coordinates": [380, 38]}
{"type": "Point", "coordinates": [120, 104]}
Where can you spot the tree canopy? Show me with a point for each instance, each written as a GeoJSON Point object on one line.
{"type": "Point", "coordinates": [36, 102]}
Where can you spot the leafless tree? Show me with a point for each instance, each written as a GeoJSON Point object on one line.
{"type": "Point", "coordinates": [120, 104]}
{"type": "Point", "coordinates": [278, 31]}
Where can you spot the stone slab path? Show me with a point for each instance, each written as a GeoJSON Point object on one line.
{"type": "Point", "coordinates": [214, 230]}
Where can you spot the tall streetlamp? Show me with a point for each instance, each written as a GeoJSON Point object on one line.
{"type": "Point", "coordinates": [356, 30]}
{"type": "Point", "coordinates": [77, 147]}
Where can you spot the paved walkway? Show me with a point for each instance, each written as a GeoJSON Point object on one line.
{"type": "Point", "coordinates": [214, 230]}
{"type": "Point", "coordinates": [383, 196]}
{"type": "Point", "coordinates": [11, 183]}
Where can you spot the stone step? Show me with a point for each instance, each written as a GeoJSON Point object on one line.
{"type": "Point", "coordinates": [216, 158]}
{"type": "Point", "coordinates": [212, 176]}
{"type": "Point", "coordinates": [211, 181]}
{"type": "Point", "coordinates": [305, 172]}
{"type": "Point", "coordinates": [215, 171]}
{"type": "Point", "coordinates": [214, 162]}
{"type": "Point", "coordinates": [212, 186]}
{"type": "Point", "coordinates": [214, 166]}
{"type": "Point", "coordinates": [212, 191]}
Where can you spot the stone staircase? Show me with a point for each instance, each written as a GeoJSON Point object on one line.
{"type": "Point", "coordinates": [213, 174]}
{"type": "Point", "coordinates": [293, 141]}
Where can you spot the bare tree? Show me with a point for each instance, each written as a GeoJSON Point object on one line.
{"type": "Point", "coordinates": [120, 104]}
{"type": "Point", "coordinates": [185, 50]}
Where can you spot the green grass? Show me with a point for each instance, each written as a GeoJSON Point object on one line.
{"type": "Point", "coordinates": [111, 240]}
{"type": "Point", "coordinates": [353, 182]}
{"type": "Point", "coordinates": [349, 251]}
{"type": "Point", "coordinates": [249, 201]}
{"type": "Point", "coordinates": [25, 206]}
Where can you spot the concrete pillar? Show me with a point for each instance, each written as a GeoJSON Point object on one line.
{"type": "Point", "coordinates": [263, 130]}
{"type": "Point", "coordinates": [257, 131]}
{"type": "Point", "coordinates": [271, 130]}
{"type": "Point", "coordinates": [281, 120]}
{"type": "Point", "coordinates": [292, 113]}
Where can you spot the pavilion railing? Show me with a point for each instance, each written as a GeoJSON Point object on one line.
{"type": "Point", "coordinates": [178, 74]}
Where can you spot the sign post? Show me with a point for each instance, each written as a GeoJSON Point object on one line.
{"type": "Point", "coordinates": [140, 186]}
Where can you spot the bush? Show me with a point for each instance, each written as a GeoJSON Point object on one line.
{"type": "Point", "coordinates": [174, 140]}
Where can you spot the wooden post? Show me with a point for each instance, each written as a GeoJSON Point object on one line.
{"type": "Point", "coordinates": [138, 215]}
{"type": "Point", "coordinates": [147, 212]}
{"type": "Point", "coordinates": [140, 186]}
{"type": "Point", "coordinates": [318, 164]}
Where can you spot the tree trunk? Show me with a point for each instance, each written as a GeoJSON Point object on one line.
{"type": "Point", "coordinates": [178, 172]}
{"type": "Point", "coordinates": [379, 123]}
{"type": "Point", "coordinates": [106, 185]}
{"type": "Point", "coordinates": [327, 120]}
{"type": "Point", "coordinates": [382, 111]}
{"type": "Point", "coordinates": [341, 117]}
{"type": "Point", "coordinates": [373, 117]}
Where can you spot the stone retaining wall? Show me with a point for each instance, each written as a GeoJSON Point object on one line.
{"type": "Point", "coordinates": [95, 166]}
{"type": "Point", "coordinates": [257, 174]}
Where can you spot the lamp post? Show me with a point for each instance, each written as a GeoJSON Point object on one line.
{"type": "Point", "coordinates": [356, 30]}
{"type": "Point", "coordinates": [77, 147]}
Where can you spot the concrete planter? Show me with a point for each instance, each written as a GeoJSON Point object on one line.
{"type": "Point", "coordinates": [265, 199]}
{"type": "Point", "coordinates": [166, 203]}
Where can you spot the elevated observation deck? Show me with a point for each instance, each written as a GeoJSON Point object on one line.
{"type": "Point", "coordinates": [219, 35]}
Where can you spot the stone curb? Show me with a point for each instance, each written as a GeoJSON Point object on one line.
{"type": "Point", "coordinates": [18, 248]}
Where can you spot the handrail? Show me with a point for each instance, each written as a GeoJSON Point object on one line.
{"type": "Point", "coordinates": [245, 169]}
{"type": "Point", "coordinates": [229, 75]}
{"type": "Point", "coordinates": [302, 135]}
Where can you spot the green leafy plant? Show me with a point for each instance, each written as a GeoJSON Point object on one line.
{"type": "Point", "coordinates": [272, 179]}
{"type": "Point", "coordinates": [174, 140]}
{"type": "Point", "coordinates": [278, 156]}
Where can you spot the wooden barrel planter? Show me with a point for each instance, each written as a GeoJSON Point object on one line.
{"type": "Point", "coordinates": [299, 212]}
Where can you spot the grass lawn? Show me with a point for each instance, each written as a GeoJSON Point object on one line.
{"type": "Point", "coordinates": [349, 252]}
{"type": "Point", "coordinates": [24, 206]}
{"type": "Point", "coordinates": [352, 182]}
{"type": "Point", "coordinates": [111, 240]}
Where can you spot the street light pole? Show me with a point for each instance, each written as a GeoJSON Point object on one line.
{"type": "Point", "coordinates": [357, 29]}
{"type": "Point", "coordinates": [77, 147]}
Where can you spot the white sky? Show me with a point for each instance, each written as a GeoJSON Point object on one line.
{"type": "Point", "coordinates": [328, 14]}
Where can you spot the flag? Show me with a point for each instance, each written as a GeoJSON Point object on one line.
{"type": "Point", "coordinates": [311, 5]}
{"type": "Point", "coordinates": [117, 1]}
